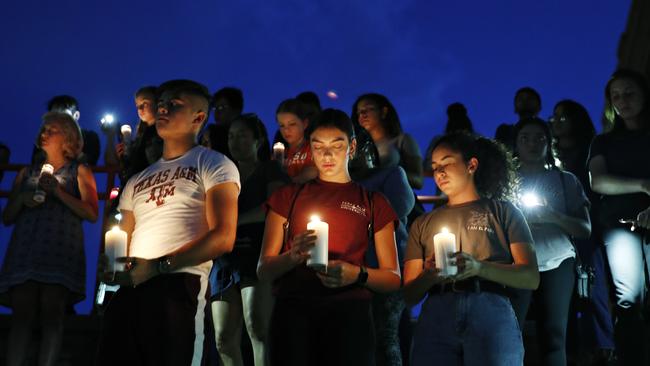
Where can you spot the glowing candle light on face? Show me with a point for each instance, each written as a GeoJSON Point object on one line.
{"type": "Point", "coordinates": [319, 253]}
{"type": "Point", "coordinates": [444, 244]}
{"type": "Point", "coordinates": [115, 247]}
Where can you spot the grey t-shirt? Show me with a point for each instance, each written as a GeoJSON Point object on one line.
{"type": "Point", "coordinates": [563, 192]}
{"type": "Point", "coordinates": [484, 228]}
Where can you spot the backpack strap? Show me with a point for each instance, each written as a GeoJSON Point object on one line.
{"type": "Point", "coordinates": [287, 223]}
{"type": "Point", "coordinates": [371, 222]}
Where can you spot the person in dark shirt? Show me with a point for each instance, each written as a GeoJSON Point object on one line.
{"type": "Point", "coordinates": [236, 293]}
{"type": "Point", "coordinates": [620, 173]}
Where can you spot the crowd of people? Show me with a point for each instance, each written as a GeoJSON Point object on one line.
{"type": "Point", "coordinates": [547, 223]}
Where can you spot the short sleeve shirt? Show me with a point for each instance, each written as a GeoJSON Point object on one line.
{"type": "Point", "coordinates": [345, 207]}
{"type": "Point", "coordinates": [563, 192]}
{"type": "Point", "coordinates": [168, 202]}
{"type": "Point", "coordinates": [484, 229]}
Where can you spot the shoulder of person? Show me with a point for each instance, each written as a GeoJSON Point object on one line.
{"type": "Point", "coordinates": [290, 189]}
{"type": "Point", "coordinates": [212, 157]}
{"type": "Point", "coordinates": [83, 169]}
{"type": "Point", "coordinates": [502, 206]}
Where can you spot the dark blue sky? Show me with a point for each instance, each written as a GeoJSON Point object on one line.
{"type": "Point", "coordinates": [423, 55]}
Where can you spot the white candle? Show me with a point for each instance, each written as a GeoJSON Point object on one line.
{"type": "Point", "coordinates": [278, 152]}
{"type": "Point", "coordinates": [126, 132]}
{"type": "Point", "coordinates": [318, 260]}
{"type": "Point", "coordinates": [115, 247]}
{"type": "Point", "coordinates": [444, 243]}
{"type": "Point", "coordinates": [39, 194]}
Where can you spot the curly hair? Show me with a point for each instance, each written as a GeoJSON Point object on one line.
{"type": "Point", "coordinates": [73, 140]}
{"type": "Point", "coordinates": [496, 175]}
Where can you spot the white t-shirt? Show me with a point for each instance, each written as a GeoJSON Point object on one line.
{"type": "Point", "coordinates": [168, 202]}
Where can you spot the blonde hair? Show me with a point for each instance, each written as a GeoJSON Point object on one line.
{"type": "Point", "coordinates": [73, 140]}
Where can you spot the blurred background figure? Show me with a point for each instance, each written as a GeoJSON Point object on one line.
{"type": "Point", "coordinates": [457, 121]}
{"type": "Point", "coordinates": [557, 210]}
{"type": "Point", "coordinates": [591, 332]}
{"type": "Point", "coordinates": [376, 114]}
{"type": "Point", "coordinates": [388, 309]}
{"type": "Point", "coordinates": [236, 292]}
{"type": "Point", "coordinates": [620, 174]}
{"type": "Point", "coordinates": [292, 116]}
{"type": "Point", "coordinates": [228, 104]}
{"type": "Point", "coordinates": [528, 103]}
{"type": "Point", "coordinates": [135, 154]}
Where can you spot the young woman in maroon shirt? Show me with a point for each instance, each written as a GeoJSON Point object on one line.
{"type": "Point", "coordinates": [324, 317]}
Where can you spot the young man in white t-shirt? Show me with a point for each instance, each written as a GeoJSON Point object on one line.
{"type": "Point", "coordinates": [179, 214]}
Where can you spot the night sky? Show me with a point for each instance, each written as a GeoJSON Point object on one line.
{"type": "Point", "coordinates": [422, 55]}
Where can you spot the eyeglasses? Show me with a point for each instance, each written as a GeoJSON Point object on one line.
{"type": "Point", "coordinates": [560, 119]}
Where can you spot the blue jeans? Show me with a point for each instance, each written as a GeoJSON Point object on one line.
{"type": "Point", "coordinates": [625, 254]}
{"type": "Point", "coordinates": [467, 328]}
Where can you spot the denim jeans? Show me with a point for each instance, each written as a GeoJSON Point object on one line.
{"type": "Point", "coordinates": [624, 252]}
{"type": "Point", "coordinates": [467, 328]}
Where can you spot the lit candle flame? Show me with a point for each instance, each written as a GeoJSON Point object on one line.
{"type": "Point", "coordinates": [445, 230]}
{"type": "Point", "coordinates": [315, 218]}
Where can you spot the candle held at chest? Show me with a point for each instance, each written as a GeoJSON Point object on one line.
{"type": "Point", "coordinates": [444, 244]}
{"type": "Point", "coordinates": [319, 253]}
{"type": "Point", "coordinates": [115, 247]}
{"type": "Point", "coordinates": [39, 194]}
{"type": "Point", "coordinates": [278, 152]}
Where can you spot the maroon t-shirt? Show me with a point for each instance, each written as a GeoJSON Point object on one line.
{"type": "Point", "coordinates": [298, 159]}
{"type": "Point", "coordinates": [345, 207]}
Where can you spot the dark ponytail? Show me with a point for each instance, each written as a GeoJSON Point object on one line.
{"type": "Point", "coordinates": [496, 174]}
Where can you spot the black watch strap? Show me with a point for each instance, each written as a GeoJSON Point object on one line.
{"type": "Point", "coordinates": [363, 276]}
{"type": "Point", "coordinates": [164, 264]}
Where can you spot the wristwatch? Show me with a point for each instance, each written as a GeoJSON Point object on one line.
{"type": "Point", "coordinates": [164, 264]}
{"type": "Point", "coordinates": [363, 276]}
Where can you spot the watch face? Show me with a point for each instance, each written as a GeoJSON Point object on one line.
{"type": "Point", "coordinates": [164, 265]}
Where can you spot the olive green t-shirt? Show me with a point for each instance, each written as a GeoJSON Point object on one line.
{"type": "Point", "coordinates": [484, 228]}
